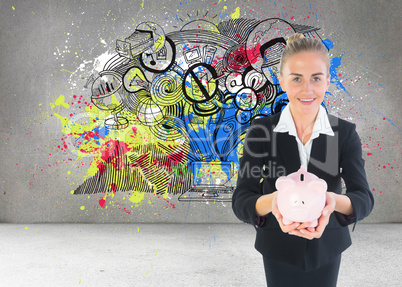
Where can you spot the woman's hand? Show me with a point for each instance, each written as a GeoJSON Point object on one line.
{"type": "Point", "coordinates": [311, 232]}
{"type": "Point", "coordinates": [285, 228]}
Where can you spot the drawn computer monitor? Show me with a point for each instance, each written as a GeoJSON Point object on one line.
{"type": "Point", "coordinates": [210, 181]}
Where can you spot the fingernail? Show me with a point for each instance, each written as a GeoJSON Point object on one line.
{"type": "Point", "coordinates": [297, 225]}
{"type": "Point", "coordinates": [301, 230]}
{"type": "Point", "coordinates": [276, 215]}
{"type": "Point", "coordinates": [325, 212]}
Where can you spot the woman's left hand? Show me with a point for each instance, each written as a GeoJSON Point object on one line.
{"type": "Point", "coordinates": [311, 232]}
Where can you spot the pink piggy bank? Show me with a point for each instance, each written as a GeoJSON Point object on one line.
{"type": "Point", "coordinates": [301, 197]}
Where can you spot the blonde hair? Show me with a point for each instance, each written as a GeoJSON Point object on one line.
{"type": "Point", "coordinates": [298, 43]}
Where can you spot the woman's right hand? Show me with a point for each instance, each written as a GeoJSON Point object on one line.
{"type": "Point", "coordinates": [278, 215]}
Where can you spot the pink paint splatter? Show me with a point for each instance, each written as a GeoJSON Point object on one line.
{"type": "Point", "coordinates": [102, 203]}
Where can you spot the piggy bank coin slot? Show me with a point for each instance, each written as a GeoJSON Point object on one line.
{"type": "Point", "coordinates": [302, 177]}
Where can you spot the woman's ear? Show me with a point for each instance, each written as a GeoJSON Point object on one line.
{"type": "Point", "coordinates": [281, 83]}
{"type": "Point", "coordinates": [328, 79]}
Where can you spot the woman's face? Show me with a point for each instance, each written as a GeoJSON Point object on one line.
{"type": "Point", "coordinates": [305, 79]}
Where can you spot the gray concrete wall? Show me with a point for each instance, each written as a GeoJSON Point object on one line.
{"type": "Point", "coordinates": [48, 49]}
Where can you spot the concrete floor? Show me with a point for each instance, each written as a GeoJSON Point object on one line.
{"type": "Point", "coordinates": [173, 255]}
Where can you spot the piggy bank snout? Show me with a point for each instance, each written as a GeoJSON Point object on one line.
{"type": "Point", "coordinates": [296, 200]}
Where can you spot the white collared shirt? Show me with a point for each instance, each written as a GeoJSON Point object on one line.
{"type": "Point", "coordinates": [321, 126]}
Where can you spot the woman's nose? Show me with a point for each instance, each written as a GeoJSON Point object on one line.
{"type": "Point", "coordinates": [307, 88]}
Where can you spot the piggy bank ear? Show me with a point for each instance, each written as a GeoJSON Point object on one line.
{"type": "Point", "coordinates": [318, 184]}
{"type": "Point", "coordinates": [284, 182]}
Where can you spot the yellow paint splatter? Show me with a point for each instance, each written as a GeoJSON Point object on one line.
{"type": "Point", "coordinates": [82, 207]}
{"type": "Point", "coordinates": [72, 191]}
{"type": "Point", "coordinates": [137, 197]}
{"type": "Point", "coordinates": [70, 127]}
{"type": "Point", "coordinates": [60, 102]}
{"type": "Point", "coordinates": [26, 227]}
{"type": "Point", "coordinates": [68, 172]}
{"type": "Point", "coordinates": [64, 70]}
{"type": "Point", "coordinates": [236, 13]}
{"type": "Point", "coordinates": [142, 5]}
{"type": "Point", "coordinates": [13, 7]}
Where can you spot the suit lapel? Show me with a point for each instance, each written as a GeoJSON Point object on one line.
{"type": "Point", "coordinates": [318, 151]}
{"type": "Point", "coordinates": [288, 152]}
{"type": "Point", "coordinates": [324, 155]}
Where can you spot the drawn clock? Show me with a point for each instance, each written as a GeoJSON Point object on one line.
{"type": "Point", "coordinates": [160, 61]}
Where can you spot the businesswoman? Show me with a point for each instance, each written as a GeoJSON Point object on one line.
{"type": "Point", "coordinates": [302, 134]}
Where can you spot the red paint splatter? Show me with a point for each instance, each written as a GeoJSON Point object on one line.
{"type": "Point", "coordinates": [113, 152]}
{"type": "Point", "coordinates": [114, 187]}
{"type": "Point", "coordinates": [369, 153]}
{"type": "Point", "coordinates": [174, 159]}
{"type": "Point", "coordinates": [89, 134]}
{"type": "Point", "coordinates": [237, 60]}
{"type": "Point", "coordinates": [102, 203]}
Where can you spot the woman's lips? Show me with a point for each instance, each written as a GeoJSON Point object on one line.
{"type": "Point", "coordinates": [307, 101]}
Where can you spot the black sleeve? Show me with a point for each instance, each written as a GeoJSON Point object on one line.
{"type": "Point", "coordinates": [250, 173]}
{"type": "Point", "coordinates": [354, 175]}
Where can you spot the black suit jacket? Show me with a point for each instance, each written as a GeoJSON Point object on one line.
{"type": "Point", "coordinates": [268, 155]}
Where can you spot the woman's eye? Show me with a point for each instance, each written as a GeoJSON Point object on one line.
{"type": "Point", "coordinates": [296, 79]}
{"type": "Point", "coordinates": [316, 79]}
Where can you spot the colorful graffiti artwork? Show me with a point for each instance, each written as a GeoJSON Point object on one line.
{"type": "Point", "coordinates": [168, 112]}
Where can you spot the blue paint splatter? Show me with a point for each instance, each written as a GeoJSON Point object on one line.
{"type": "Point", "coordinates": [97, 133]}
{"type": "Point", "coordinates": [333, 69]}
{"type": "Point", "coordinates": [328, 43]}
{"type": "Point", "coordinates": [364, 51]}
